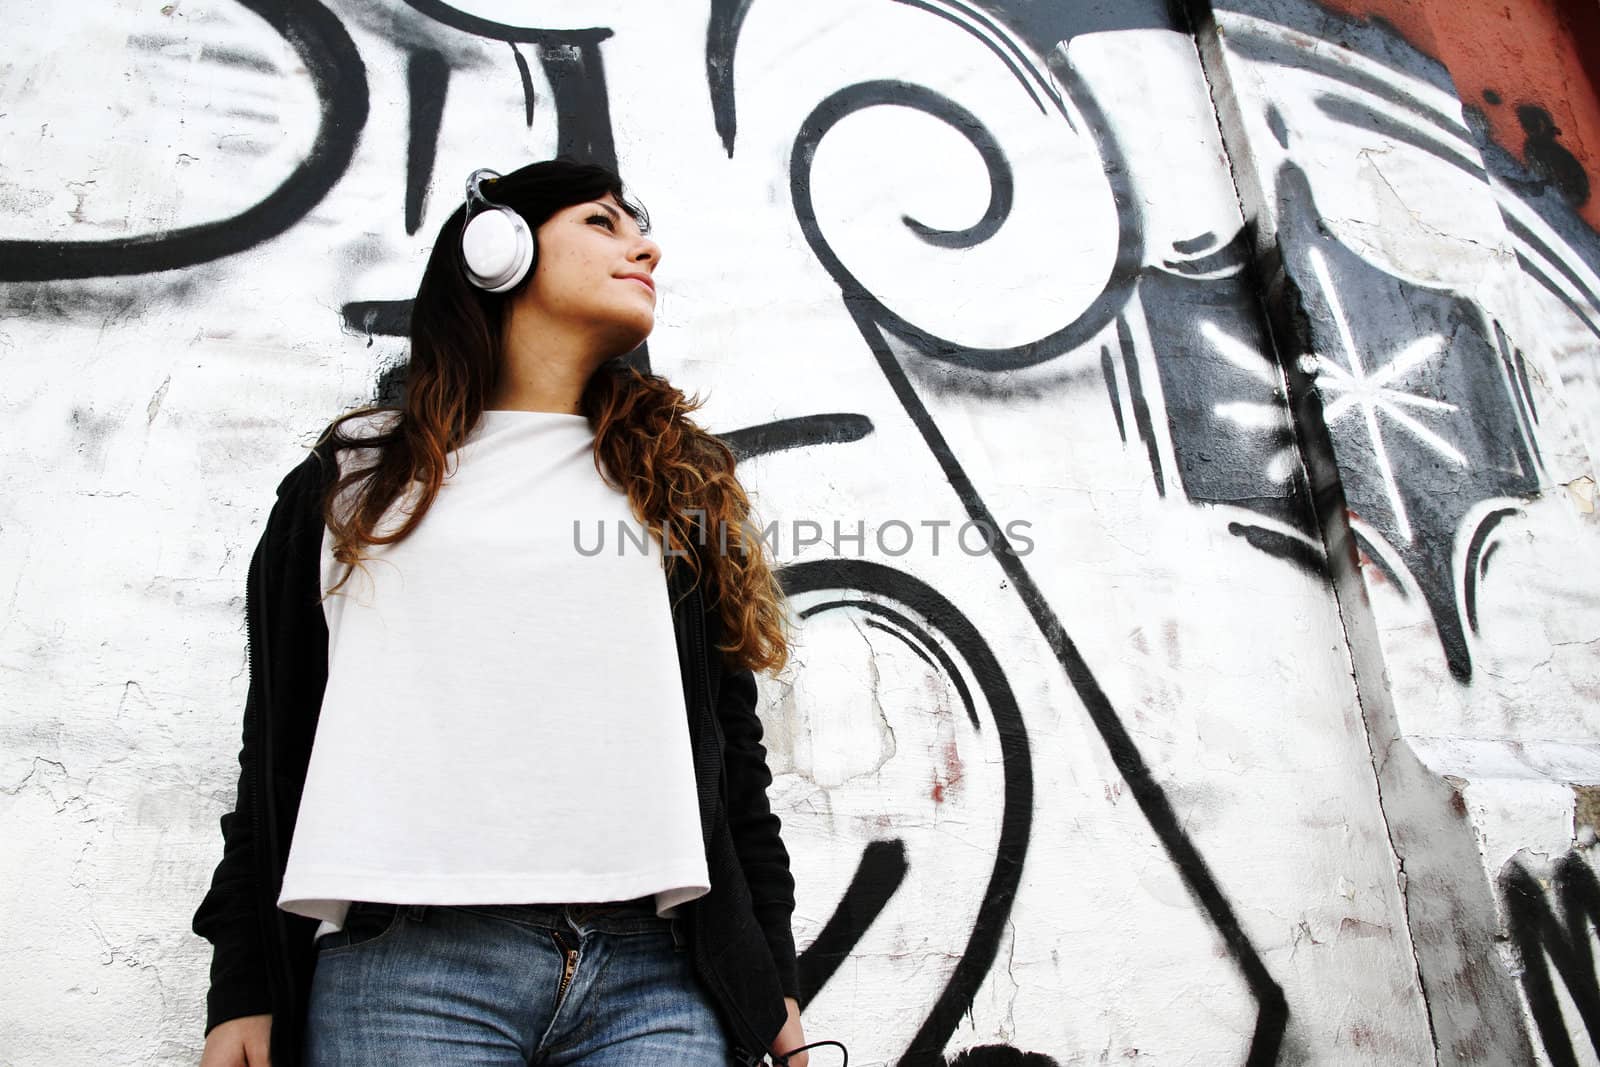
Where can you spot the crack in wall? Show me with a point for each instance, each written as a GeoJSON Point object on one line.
{"type": "Point", "coordinates": [1332, 522]}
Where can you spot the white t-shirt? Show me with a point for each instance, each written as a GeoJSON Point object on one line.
{"type": "Point", "coordinates": [504, 719]}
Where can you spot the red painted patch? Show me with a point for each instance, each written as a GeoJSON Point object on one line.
{"type": "Point", "coordinates": [954, 771]}
{"type": "Point", "coordinates": [1531, 66]}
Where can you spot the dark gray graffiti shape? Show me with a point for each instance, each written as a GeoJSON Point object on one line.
{"type": "Point", "coordinates": [1414, 400]}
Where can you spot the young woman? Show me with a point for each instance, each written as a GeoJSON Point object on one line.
{"type": "Point", "coordinates": [503, 796]}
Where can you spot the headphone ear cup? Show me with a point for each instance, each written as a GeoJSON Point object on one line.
{"type": "Point", "coordinates": [498, 249]}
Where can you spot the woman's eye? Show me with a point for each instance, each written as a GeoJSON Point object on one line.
{"type": "Point", "coordinates": [603, 219]}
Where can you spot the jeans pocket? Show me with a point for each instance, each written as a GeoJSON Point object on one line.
{"type": "Point", "coordinates": [364, 924]}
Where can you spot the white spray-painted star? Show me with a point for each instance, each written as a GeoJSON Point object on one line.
{"type": "Point", "coordinates": [1251, 415]}
{"type": "Point", "coordinates": [1367, 394]}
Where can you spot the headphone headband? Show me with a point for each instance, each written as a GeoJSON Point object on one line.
{"type": "Point", "coordinates": [475, 189]}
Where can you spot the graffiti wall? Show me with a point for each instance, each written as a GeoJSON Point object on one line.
{"type": "Point", "coordinates": [1176, 427]}
{"type": "Point", "coordinates": [1433, 301]}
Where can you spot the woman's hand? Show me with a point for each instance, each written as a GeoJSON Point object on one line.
{"type": "Point", "coordinates": [242, 1042]}
{"type": "Point", "coordinates": [791, 1036]}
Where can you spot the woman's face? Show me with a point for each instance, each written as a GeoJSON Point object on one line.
{"type": "Point", "coordinates": [594, 272]}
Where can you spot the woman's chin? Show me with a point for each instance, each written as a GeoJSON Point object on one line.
{"type": "Point", "coordinates": [632, 334]}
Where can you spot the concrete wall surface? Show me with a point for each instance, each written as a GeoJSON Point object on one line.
{"type": "Point", "coordinates": [1265, 334]}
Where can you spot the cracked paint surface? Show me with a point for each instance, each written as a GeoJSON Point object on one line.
{"type": "Point", "coordinates": [1284, 369]}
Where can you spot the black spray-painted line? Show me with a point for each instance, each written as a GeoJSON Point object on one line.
{"type": "Point", "coordinates": [1362, 117]}
{"type": "Point", "coordinates": [722, 41]}
{"type": "Point", "coordinates": [255, 62]}
{"type": "Point", "coordinates": [912, 647]}
{"type": "Point", "coordinates": [1527, 393]}
{"type": "Point", "coordinates": [378, 318]}
{"type": "Point", "coordinates": [1520, 230]}
{"type": "Point", "coordinates": [876, 322]}
{"type": "Point", "coordinates": [1375, 555]}
{"type": "Point", "coordinates": [1261, 48]}
{"type": "Point", "coordinates": [909, 632]}
{"type": "Point", "coordinates": [1141, 409]}
{"type": "Point", "coordinates": [1542, 937]}
{"type": "Point", "coordinates": [878, 875]}
{"type": "Point", "coordinates": [955, 631]}
{"type": "Point", "coordinates": [1582, 314]}
{"type": "Point", "coordinates": [1279, 128]}
{"type": "Point", "coordinates": [1474, 549]}
{"type": "Point", "coordinates": [525, 76]}
{"type": "Point", "coordinates": [1109, 373]}
{"type": "Point", "coordinates": [1192, 245]}
{"type": "Point", "coordinates": [577, 79]}
{"type": "Point", "coordinates": [250, 114]}
{"type": "Point", "coordinates": [1231, 257]}
{"type": "Point", "coordinates": [988, 24]}
{"type": "Point", "coordinates": [1306, 557]}
{"type": "Point", "coordinates": [1518, 387]}
{"type": "Point", "coordinates": [339, 78]}
{"type": "Point", "coordinates": [1000, 1056]}
{"type": "Point", "coordinates": [834, 428]}
{"type": "Point", "coordinates": [427, 82]}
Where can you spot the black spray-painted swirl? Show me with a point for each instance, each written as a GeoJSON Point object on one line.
{"type": "Point", "coordinates": [894, 590]}
{"type": "Point", "coordinates": [340, 79]}
{"type": "Point", "coordinates": [889, 92]}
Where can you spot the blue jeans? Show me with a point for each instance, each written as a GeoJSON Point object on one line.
{"type": "Point", "coordinates": [587, 985]}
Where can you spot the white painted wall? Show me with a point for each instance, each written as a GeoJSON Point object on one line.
{"type": "Point", "coordinates": [151, 413]}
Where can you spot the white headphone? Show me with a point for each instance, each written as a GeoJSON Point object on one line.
{"type": "Point", "coordinates": [497, 247]}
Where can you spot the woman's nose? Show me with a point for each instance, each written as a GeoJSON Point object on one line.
{"type": "Point", "coordinates": [648, 250]}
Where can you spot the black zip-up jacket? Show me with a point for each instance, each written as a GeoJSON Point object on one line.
{"type": "Point", "coordinates": [263, 957]}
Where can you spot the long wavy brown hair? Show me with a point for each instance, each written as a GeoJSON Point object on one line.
{"type": "Point", "coordinates": [679, 479]}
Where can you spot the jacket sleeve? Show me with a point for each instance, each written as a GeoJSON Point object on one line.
{"type": "Point", "coordinates": [754, 826]}
{"type": "Point", "coordinates": [230, 915]}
